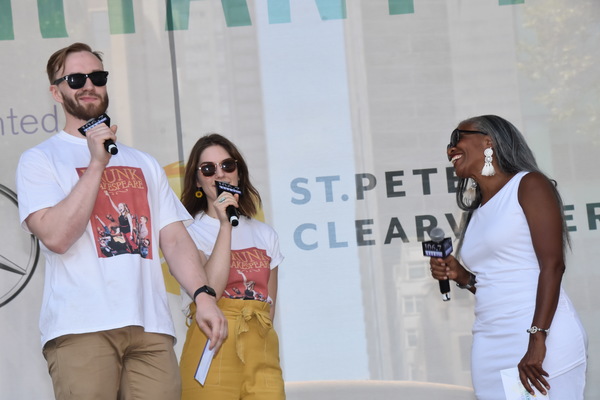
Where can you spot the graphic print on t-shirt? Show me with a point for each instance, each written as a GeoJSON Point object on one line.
{"type": "Point", "coordinates": [121, 215]}
{"type": "Point", "coordinates": [249, 275]}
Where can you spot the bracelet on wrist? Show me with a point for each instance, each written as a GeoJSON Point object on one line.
{"type": "Point", "coordinates": [470, 284]}
{"type": "Point", "coordinates": [535, 329]}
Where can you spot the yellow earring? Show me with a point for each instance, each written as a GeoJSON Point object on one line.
{"type": "Point", "coordinates": [199, 193]}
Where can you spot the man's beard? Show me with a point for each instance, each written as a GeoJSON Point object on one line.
{"type": "Point", "coordinates": [84, 112]}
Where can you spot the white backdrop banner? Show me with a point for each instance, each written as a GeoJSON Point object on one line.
{"type": "Point", "coordinates": [343, 110]}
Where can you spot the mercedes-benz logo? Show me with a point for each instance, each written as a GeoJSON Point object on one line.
{"type": "Point", "coordinates": [19, 251]}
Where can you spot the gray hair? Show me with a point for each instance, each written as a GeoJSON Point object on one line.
{"type": "Point", "coordinates": [513, 155]}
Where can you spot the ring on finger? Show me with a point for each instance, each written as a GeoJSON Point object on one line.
{"type": "Point", "coordinates": [222, 199]}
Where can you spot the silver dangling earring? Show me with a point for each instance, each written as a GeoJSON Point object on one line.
{"type": "Point", "coordinates": [488, 168]}
{"type": "Point", "coordinates": [470, 193]}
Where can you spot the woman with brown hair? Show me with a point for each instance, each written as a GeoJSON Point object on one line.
{"type": "Point", "coordinates": [247, 365]}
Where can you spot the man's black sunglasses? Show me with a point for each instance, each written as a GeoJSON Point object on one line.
{"type": "Point", "coordinates": [455, 136]}
{"type": "Point", "coordinates": [77, 81]}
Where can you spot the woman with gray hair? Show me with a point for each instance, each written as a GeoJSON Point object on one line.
{"type": "Point", "coordinates": [511, 252]}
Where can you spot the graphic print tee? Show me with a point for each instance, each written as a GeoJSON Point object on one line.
{"type": "Point", "coordinates": [249, 275]}
{"type": "Point", "coordinates": [121, 215]}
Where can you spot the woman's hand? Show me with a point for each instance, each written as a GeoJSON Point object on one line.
{"type": "Point", "coordinates": [530, 367]}
{"type": "Point", "coordinates": [446, 268]}
{"type": "Point", "coordinates": [224, 200]}
{"type": "Point", "coordinates": [449, 268]}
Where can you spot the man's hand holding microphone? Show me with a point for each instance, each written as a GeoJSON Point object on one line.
{"type": "Point", "coordinates": [98, 130]}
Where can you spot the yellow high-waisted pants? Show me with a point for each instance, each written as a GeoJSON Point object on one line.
{"type": "Point", "coordinates": [247, 365]}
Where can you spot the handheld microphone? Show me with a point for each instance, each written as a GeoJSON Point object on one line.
{"type": "Point", "coordinates": [232, 213]}
{"type": "Point", "coordinates": [109, 144]}
{"type": "Point", "coordinates": [440, 247]}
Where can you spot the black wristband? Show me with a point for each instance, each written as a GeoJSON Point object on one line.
{"type": "Point", "coordinates": [205, 289]}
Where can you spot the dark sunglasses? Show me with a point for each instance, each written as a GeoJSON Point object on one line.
{"type": "Point", "coordinates": [455, 136]}
{"type": "Point", "coordinates": [210, 168]}
{"type": "Point", "coordinates": [77, 81]}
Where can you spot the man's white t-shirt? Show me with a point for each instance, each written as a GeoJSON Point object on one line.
{"type": "Point", "coordinates": [110, 277]}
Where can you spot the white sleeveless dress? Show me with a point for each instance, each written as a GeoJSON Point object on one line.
{"type": "Point", "coordinates": [498, 249]}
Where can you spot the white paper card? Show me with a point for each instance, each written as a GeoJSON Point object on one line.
{"type": "Point", "coordinates": [514, 389]}
{"type": "Point", "coordinates": [204, 363]}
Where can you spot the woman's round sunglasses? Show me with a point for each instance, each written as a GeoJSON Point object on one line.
{"type": "Point", "coordinates": [455, 136]}
{"type": "Point", "coordinates": [210, 168]}
{"type": "Point", "coordinates": [77, 81]}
